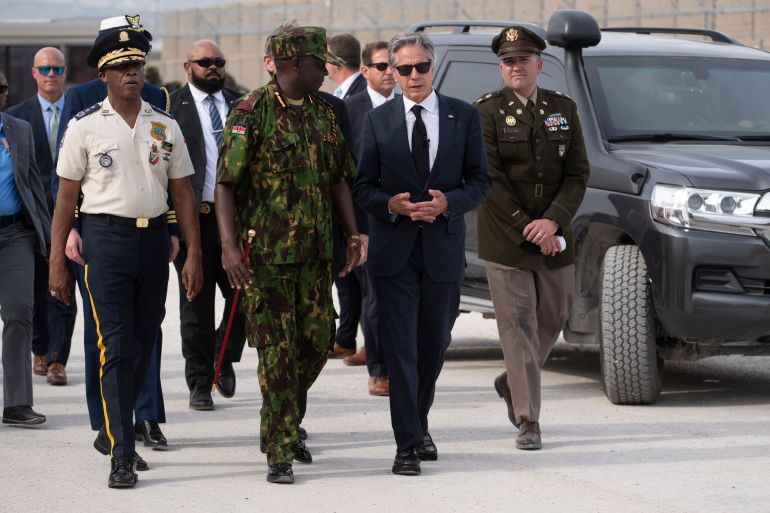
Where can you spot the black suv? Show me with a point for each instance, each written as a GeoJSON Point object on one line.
{"type": "Point", "coordinates": [673, 237]}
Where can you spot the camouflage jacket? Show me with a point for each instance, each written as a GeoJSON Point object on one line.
{"type": "Point", "coordinates": [282, 160]}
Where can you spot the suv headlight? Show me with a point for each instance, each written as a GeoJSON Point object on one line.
{"type": "Point", "coordinates": [704, 209]}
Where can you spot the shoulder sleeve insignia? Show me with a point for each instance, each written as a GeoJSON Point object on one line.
{"type": "Point", "coordinates": [158, 109]}
{"type": "Point", "coordinates": [486, 97]}
{"type": "Point", "coordinates": [90, 110]}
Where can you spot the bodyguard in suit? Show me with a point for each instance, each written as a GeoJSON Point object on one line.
{"type": "Point", "coordinates": [149, 409]}
{"type": "Point", "coordinates": [200, 108]}
{"type": "Point", "coordinates": [540, 169]}
{"type": "Point", "coordinates": [422, 167]}
{"type": "Point", "coordinates": [54, 321]}
{"type": "Point", "coordinates": [25, 228]}
{"type": "Point", "coordinates": [379, 89]}
{"type": "Point", "coordinates": [346, 75]}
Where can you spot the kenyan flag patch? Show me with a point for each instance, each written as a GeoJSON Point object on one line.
{"type": "Point", "coordinates": [239, 130]}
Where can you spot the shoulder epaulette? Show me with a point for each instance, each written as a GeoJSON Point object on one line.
{"type": "Point", "coordinates": [90, 110]}
{"type": "Point", "coordinates": [158, 109]}
{"type": "Point", "coordinates": [557, 93]}
{"type": "Point", "coordinates": [487, 96]}
{"type": "Point", "coordinates": [248, 100]}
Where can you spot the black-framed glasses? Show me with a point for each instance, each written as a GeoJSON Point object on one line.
{"type": "Point", "coordinates": [45, 70]}
{"type": "Point", "coordinates": [3, 88]}
{"type": "Point", "coordinates": [379, 66]}
{"type": "Point", "coordinates": [406, 69]}
{"type": "Point", "coordinates": [206, 63]}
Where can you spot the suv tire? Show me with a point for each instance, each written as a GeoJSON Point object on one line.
{"type": "Point", "coordinates": [629, 360]}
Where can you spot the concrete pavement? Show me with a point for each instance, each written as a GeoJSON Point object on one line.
{"type": "Point", "coordinates": [702, 448]}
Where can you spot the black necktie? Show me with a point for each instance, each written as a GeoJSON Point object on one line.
{"type": "Point", "coordinates": [420, 144]}
{"type": "Point", "coordinates": [531, 109]}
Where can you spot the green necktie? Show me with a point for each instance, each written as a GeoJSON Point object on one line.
{"type": "Point", "coordinates": [53, 129]}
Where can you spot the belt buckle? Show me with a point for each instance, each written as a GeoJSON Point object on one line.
{"type": "Point", "coordinates": [142, 222]}
{"type": "Point", "coordinates": [538, 190]}
{"type": "Point", "coordinates": [205, 208]}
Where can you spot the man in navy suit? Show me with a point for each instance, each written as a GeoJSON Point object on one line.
{"type": "Point", "coordinates": [422, 166]}
{"type": "Point", "coordinates": [54, 321]}
{"type": "Point", "coordinates": [149, 409]}
{"type": "Point", "coordinates": [361, 299]}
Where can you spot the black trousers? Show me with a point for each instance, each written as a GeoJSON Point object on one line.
{"type": "Point", "coordinates": [416, 319]}
{"type": "Point", "coordinates": [200, 338]}
{"type": "Point", "coordinates": [126, 274]}
{"type": "Point", "coordinates": [53, 321]}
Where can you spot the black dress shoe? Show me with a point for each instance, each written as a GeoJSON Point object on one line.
{"type": "Point", "coordinates": [301, 453]}
{"type": "Point", "coordinates": [427, 450]}
{"type": "Point", "coordinates": [226, 380]}
{"type": "Point", "coordinates": [139, 463]}
{"type": "Point", "coordinates": [280, 473]}
{"type": "Point", "coordinates": [407, 463]}
{"type": "Point", "coordinates": [302, 433]}
{"type": "Point", "coordinates": [148, 431]}
{"type": "Point", "coordinates": [200, 399]}
{"type": "Point", "coordinates": [501, 385]}
{"type": "Point", "coordinates": [122, 473]}
{"type": "Point", "coordinates": [101, 442]}
{"type": "Point", "coordinates": [22, 416]}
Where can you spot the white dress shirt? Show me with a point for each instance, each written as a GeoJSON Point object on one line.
{"type": "Point", "coordinates": [376, 98]}
{"type": "Point", "coordinates": [212, 150]}
{"type": "Point", "coordinates": [342, 90]}
{"type": "Point", "coordinates": [429, 117]}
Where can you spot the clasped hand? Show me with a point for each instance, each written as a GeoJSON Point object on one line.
{"type": "Point", "coordinates": [426, 211]}
{"type": "Point", "coordinates": [543, 233]}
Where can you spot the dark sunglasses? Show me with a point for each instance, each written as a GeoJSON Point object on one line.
{"type": "Point", "coordinates": [3, 88]}
{"type": "Point", "coordinates": [206, 63]}
{"type": "Point", "coordinates": [406, 69]}
{"type": "Point", "coordinates": [380, 66]}
{"type": "Point", "coordinates": [45, 70]}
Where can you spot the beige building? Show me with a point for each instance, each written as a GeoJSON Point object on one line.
{"type": "Point", "coordinates": [241, 27]}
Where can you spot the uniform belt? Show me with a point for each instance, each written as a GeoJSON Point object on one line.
{"type": "Point", "coordinates": [206, 207]}
{"type": "Point", "coordinates": [9, 220]}
{"type": "Point", "coordinates": [138, 222]}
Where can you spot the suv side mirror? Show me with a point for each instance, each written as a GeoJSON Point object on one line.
{"type": "Point", "coordinates": [570, 28]}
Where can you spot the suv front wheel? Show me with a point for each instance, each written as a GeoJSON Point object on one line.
{"type": "Point", "coordinates": [629, 360]}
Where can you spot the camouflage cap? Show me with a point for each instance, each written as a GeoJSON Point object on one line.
{"type": "Point", "coordinates": [517, 41]}
{"type": "Point", "coordinates": [300, 42]}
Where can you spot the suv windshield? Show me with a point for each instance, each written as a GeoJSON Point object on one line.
{"type": "Point", "coordinates": [661, 98]}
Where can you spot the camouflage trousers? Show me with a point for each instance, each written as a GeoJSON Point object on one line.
{"type": "Point", "coordinates": [290, 320]}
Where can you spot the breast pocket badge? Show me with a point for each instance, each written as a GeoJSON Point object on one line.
{"type": "Point", "coordinates": [105, 160]}
{"type": "Point", "coordinates": [158, 131]}
{"type": "Point", "coordinates": [562, 149]}
{"type": "Point", "coordinates": [154, 154]}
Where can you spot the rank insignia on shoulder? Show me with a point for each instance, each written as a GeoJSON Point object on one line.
{"type": "Point", "coordinates": [166, 146]}
{"type": "Point", "coordinates": [158, 130]}
{"type": "Point", "coordinates": [90, 110]}
{"type": "Point", "coordinates": [487, 97]}
{"type": "Point", "coordinates": [238, 130]}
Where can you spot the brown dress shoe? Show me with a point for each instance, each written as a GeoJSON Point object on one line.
{"type": "Point", "coordinates": [529, 436]}
{"type": "Point", "coordinates": [340, 352]}
{"type": "Point", "coordinates": [379, 385]}
{"type": "Point", "coordinates": [38, 365]}
{"type": "Point", "coordinates": [357, 359]}
{"type": "Point", "coordinates": [56, 374]}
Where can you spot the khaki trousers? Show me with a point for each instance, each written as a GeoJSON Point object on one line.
{"type": "Point", "coordinates": [531, 308]}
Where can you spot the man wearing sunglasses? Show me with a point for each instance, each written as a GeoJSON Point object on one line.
{"type": "Point", "coordinates": [421, 167]}
{"type": "Point", "coordinates": [200, 108]}
{"type": "Point", "coordinates": [25, 226]}
{"type": "Point", "coordinates": [379, 89]}
{"type": "Point", "coordinates": [54, 321]}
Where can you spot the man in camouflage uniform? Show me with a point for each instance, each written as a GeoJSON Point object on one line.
{"type": "Point", "coordinates": [283, 165]}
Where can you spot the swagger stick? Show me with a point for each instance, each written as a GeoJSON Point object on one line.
{"type": "Point", "coordinates": [236, 294]}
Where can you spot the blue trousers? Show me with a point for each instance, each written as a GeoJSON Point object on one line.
{"type": "Point", "coordinates": [126, 276]}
